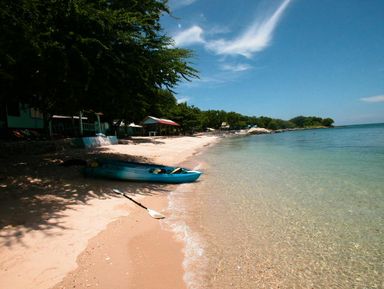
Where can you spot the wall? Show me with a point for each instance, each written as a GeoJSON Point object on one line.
{"type": "Point", "coordinates": [25, 120]}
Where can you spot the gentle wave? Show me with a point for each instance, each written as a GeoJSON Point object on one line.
{"type": "Point", "coordinates": [194, 258]}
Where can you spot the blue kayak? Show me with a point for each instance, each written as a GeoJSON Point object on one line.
{"type": "Point", "coordinates": [132, 171]}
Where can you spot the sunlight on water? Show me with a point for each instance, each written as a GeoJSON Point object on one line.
{"type": "Point", "coordinates": [293, 210]}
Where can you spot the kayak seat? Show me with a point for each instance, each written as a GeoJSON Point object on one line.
{"type": "Point", "coordinates": [157, 171]}
{"type": "Point", "coordinates": [177, 171]}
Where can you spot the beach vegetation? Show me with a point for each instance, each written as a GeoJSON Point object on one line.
{"type": "Point", "coordinates": [66, 56]}
{"type": "Point", "coordinates": [193, 119]}
{"type": "Point", "coordinates": [327, 122]}
{"type": "Point", "coordinates": [189, 117]}
{"type": "Point", "coordinates": [106, 56]}
{"type": "Point", "coordinates": [311, 121]}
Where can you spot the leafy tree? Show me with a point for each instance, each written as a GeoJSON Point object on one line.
{"type": "Point", "coordinates": [236, 120]}
{"type": "Point", "coordinates": [299, 121]}
{"type": "Point", "coordinates": [263, 121]}
{"type": "Point", "coordinates": [189, 117]}
{"type": "Point", "coordinates": [213, 118]}
{"type": "Point", "coordinates": [275, 124]}
{"type": "Point", "coordinates": [311, 121]}
{"type": "Point", "coordinates": [328, 122]}
{"type": "Point", "coordinates": [63, 56]}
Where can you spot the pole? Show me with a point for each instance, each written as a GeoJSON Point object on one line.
{"type": "Point", "coordinates": [81, 123]}
{"type": "Point", "coordinates": [98, 122]}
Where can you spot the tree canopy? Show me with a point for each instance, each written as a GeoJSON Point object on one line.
{"type": "Point", "coordinates": [110, 56]}
{"type": "Point", "coordinates": [63, 56]}
{"type": "Point", "coordinates": [194, 119]}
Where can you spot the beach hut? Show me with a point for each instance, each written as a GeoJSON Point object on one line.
{"type": "Point", "coordinates": [81, 125]}
{"type": "Point", "coordinates": [19, 120]}
{"type": "Point", "coordinates": [160, 126]}
{"type": "Point", "coordinates": [225, 126]}
{"type": "Point", "coordinates": [135, 129]}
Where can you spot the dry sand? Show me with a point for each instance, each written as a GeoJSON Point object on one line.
{"type": "Point", "coordinates": [61, 230]}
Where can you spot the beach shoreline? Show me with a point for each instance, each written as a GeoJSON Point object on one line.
{"type": "Point", "coordinates": [95, 239]}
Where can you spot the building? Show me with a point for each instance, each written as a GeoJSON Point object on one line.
{"type": "Point", "coordinates": [20, 121]}
{"type": "Point", "coordinates": [159, 126]}
{"type": "Point", "coordinates": [17, 120]}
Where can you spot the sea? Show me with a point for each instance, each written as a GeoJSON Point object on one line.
{"type": "Point", "coordinates": [299, 209]}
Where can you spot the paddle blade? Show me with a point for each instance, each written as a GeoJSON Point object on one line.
{"type": "Point", "coordinates": [155, 214]}
{"type": "Point", "coordinates": [152, 213]}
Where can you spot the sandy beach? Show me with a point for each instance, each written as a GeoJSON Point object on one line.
{"type": "Point", "coordinates": [61, 230]}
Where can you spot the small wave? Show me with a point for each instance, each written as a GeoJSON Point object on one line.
{"type": "Point", "coordinates": [194, 257]}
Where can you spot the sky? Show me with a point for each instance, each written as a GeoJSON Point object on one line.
{"type": "Point", "coordinates": [283, 58]}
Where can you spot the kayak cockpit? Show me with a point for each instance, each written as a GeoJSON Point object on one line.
{"type": "Point", "coordinates": [170, 171]}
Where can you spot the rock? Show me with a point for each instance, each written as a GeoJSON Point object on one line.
{"type": "Point", "coordinates": [258, 130]}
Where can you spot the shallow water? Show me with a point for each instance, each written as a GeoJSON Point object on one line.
{"type": "Point", "coordinates": [301, 209]}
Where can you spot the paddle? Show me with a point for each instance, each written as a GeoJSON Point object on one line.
{"type": "Point", "coordinates": [151, 212]}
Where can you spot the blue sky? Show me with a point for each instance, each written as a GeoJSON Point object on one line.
{"type": "Point", "coordinates": [283, 58]}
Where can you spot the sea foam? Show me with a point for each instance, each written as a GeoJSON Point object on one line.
{"type": "Point", "coordinates": [194, 258]}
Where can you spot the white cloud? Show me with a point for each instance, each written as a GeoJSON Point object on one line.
{"type": "Point", "coordinates": [175, 4]}
{"type": "Point", "coordinates": [218, 29]}
{"type": "Point", "coordinates": [377, 98]}
{"type": "Point", "coordinates": [256, 38]}
{"type": "Point", "coordinates": [207, 81]}
{"type": "Point", "coordinates": [189, 36]}
{"type": "Point", "coordinates": [236, 67]}
{"type": "Point", "coordinates": [183, 99]}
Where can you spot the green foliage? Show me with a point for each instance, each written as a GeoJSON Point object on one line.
{"type": "Point", "coordinates": [213, 118]}
{"type": "Point", "coordinates": [63, 56]}
{"type": "Point", "coordinates": [193, 119]}
{"type": "Point", "coordinates": [311, 121]}
{"type": "Point", "coordinates": [327, 122]}
{"type": "Point", "coordinates": [189, 117]}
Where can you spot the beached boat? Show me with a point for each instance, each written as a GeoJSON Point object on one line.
{"type": "Point", "coordinates": [132, 171]}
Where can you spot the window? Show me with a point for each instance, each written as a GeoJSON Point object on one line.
{"type": "Point", "coordinates": [35, 113]}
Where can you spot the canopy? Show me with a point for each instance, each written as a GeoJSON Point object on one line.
{"type": "Point", "coordinates": [132, 124]}
{"type": "Point", "coordinates": [155, 120]}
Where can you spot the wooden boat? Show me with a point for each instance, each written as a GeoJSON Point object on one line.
{"type": "Point", "coordinates": [132, 171]}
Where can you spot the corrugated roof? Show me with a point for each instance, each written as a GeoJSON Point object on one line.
{"type": "Point", "coordinates": [154, 120]}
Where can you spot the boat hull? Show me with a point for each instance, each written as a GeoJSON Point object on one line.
{"type": "Point", "coordinates": [131, 171]}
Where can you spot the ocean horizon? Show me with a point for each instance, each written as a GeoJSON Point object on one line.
{"type": "Point", "coordinates": [300, 209]}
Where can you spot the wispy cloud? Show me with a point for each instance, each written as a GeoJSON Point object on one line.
{"type": "Point", "coordinates": [256, 38]}
{"type": "Point", "coordinates": [183, 99]}
{"type": "Point", "coordinates": [373, 99]}
{"type": "Point", "coordinates": [175, 4]}
{"type": "Point", "coordinates": [218, 29]}
{"type": "Point", "coordinates": [189, 36]}
{"type": "Point", "coordinates": [235, 67]}
{"type": "Point", "coordinates": [208, 81]}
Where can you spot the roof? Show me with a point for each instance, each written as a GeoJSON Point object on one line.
{"type": "Point", "coordinates": [225, 125]}
{"type": "Point", "coordinates": [155, 120]}
{"type": "Point", "coordinates": [69, 117]}
{"type": "Point", "coordinates": [132, 124]}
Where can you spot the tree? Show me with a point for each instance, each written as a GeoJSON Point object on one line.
{"type": "Point", "coordinates": [328, 122]}
{"type": "Point", "coordinates": [213, 118]}
{"type": "Point", "coordinates": [263, 121]}
{"type": "Point", "coordinates": [63, 56]}
{"type": "Point", "coordinates": [189, 117]}
{"type": "Point", "coordinates": [299, 121]}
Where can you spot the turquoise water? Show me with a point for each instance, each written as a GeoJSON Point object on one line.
{"type": "Point", "coordinates": [302, 209]}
